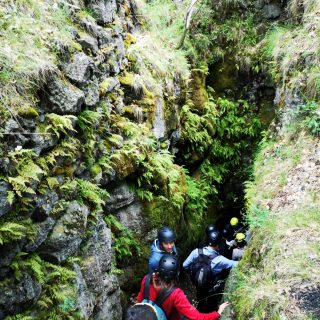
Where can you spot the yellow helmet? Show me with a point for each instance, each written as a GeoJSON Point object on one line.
{"type": "Point", "coordinates": [240, 237]}
{"type": "Point", "coordinates": [234, 221]}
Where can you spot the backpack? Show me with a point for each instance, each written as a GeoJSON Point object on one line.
{"type": "Point", "coordinates": [200, 270]}
{"type": "Point", "coordinates": [155, 305]}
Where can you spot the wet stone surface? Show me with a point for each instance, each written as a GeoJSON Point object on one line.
{"type": "Point", "coordinates": [309, 301]}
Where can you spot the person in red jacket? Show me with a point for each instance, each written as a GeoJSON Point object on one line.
{"type": "Point", "coordinates": [176, 304]}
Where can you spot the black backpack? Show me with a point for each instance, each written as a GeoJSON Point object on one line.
{"type": "Point", "coordinates": [200, 270]}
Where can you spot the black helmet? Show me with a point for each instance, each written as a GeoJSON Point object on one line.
{"type": "Point", "coordinates": [168, 267]}
{"type": "Point", "coordinates": [211, 227]}
{"type": "Point", "coordinates": [227, 231]}
{"type": "Point", "coordinates": [166, 234]}
{"type": "Point", "coordinates": [214, 238]}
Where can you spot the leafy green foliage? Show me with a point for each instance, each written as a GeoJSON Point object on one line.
{"type": "Point", "coordinates": [58, 297]}
{"type": "Point", "coordinates": [124, 242]}
{"type": "Point", "coordinates": [92, 194]}
{"type": "Point", "coordinates": [198, 128]}
{"type": "Point", "coordinates": [56, 124]}
{"type": "Point", "coordinates": [309, 115]}
{"type": "Point", "coordinates": [30, 263]}
{"type": "Point", "coordinates": [216, 32]}
{"type": "Point", "coordinates": [88, 120]}
{"type": "Point", "coordinates": [161, 176]}
{"type": "Point", "coordinates": [219, 135]}
{"type": "Point", "coordinates": [197, 201]}
{"type": "Point", "coordinates": [27, 170]}
{"type": "Point", "coordinates": [10, 231]}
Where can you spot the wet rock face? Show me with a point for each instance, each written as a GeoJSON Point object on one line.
{"type": "Point", "coordinates": [41, 234]}
{"type": "Point", "coordinates": [131, 217]}
{"type": "Point", "coordinates": [104, 11]}
{"type": "Point", "coordinates": [43, 205]}
{"type": "Point", "coordinates": [4, 204]}
{"type": "Point", "coordinates": [17, 294]}
{"type": "Point", "coordinates": [67, 234]}
{"type": "Point", "coordinates": [80, 69]}
{"type": "Point", "coordinates": [91, 92]}
{"type": "Point", "coordinates": [98, 289]}
{"type": "Point", "coordinates": [124, 204]}
{"type": "Point", "coordinates": [86, 79]}
{"type": "Point", "coordinates": [8, 252]}
{"type": "Point", "coordinates": [290, 101]}
{"type": "Point", "coordinates": [109, 308]}
{"type": "Point", "coordinates": [43, 142]}
{"type": "Point", "coordinates": [97, 254]}
{"type": "Point", "coordinates": [271, 11]}
{"type": "Point", "coordinates": [62, 98]}
{"type": "Point", "coordinates": [120, 197]}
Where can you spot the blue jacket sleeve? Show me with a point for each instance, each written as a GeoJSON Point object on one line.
{"type": "Point", "coordinates": [189, 260]}
{"type": "Point", "coordinates": [154, 261]}
{"type": "Point", "coordinates": [222, 263]}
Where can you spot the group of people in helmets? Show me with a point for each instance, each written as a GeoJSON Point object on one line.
{"type": "Point", "coordinates": [159, 286]}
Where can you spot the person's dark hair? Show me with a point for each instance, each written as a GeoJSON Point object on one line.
{"type": "Point", "coordinates": [166, 234]}
{"type": "Point", "coordinates": [141, 311]}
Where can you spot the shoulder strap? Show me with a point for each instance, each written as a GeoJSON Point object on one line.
{"type": "Point", "coordinates": [214, 255]}
{"type": "Point", "coordinates": [211, 256]}
{"type": "Point", "coordinates": [165, 295]}
{"type": "Point", "coordinates": [147, 286]}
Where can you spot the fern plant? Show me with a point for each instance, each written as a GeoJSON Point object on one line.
{"type": "Point", "coordinates": [57, 124]}
{"type": "Point", "coordinates": [30, 263]}
{"type": "Point", "coordinates": [91, 194]}
{"type": "Point", "coordinates": [88, 120]}
{"type": "Point", "coordinates": [124, 242]}
{"type": "Point", "coordinates": [10, 231]}
{"type": "Point", "coordinates": [28, 171]}
{"type": "Point", "coordinates": [58, 297]}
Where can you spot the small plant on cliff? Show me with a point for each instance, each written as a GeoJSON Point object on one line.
{"type": "Point", "coordinates": [309, 115]}
{"type": "Point", "coordinates": [28, 171]}
{"type": "Point", "coordinates": [10, 231]}
{"type": "Point", "coordinates": [92, 194]}
{"type": "Point", "coordinates": [198, 127]}
{"type": "Point", "coordinates": [30, 263]}
{"type": "Point", "coordinates": [58, 296]}
{"type": "Point", "coordinates": [163, 178]}
{"type": "Point", "coordinates": [88, 121]}
{"type": "Point", "coordinates": [124, 242]}
{"type": "Point", "coordinates": [57, 124]}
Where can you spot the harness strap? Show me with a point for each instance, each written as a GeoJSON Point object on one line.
{"type": "Point", "coordinates": [147, 286]}
{"type": "Point", "coordinates": [211, 256]}
{"type": "Point", "coordinates": [214, 255]}
{"type": "Point", "coordinates": [160, 301]}
{"type": "Point", "coordinates": [166, 294]}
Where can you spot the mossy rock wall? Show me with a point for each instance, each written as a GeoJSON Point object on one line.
{"type": "Point", "coordinates": [71, 219]}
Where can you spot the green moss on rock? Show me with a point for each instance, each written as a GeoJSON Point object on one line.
{"type": "Point", "coordinates": [28, 112]}
{"type": "Point", "coordinates": [130, 39]}
{"type": "Point", "coordinates": [95, 170]}
{"type": "Point", "coordinates": [127, 79]}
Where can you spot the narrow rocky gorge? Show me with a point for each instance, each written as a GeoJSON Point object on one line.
{"type": "Point", "coordinates": [112, 135]}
